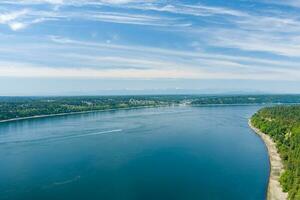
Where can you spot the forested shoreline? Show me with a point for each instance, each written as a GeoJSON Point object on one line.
{"type": "Point", "coordinates": [282, 124]}
{"type": "Point", "coordinates": [23, 107]}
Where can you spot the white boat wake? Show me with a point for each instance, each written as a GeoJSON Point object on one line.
{"type": "Point", "coordinates": [57, 138]}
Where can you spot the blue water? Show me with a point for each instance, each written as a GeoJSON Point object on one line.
{"type": "Point", "coordinates": [175, 153]}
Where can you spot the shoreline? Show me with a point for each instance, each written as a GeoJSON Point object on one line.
{"type": "Point", "coordinates": [115, 109]}
{"type": "Point", "coordinates": [74, 113]}
{"type": "Point", "coordinates": [112, 109]}
{"type": "Point", "coordinates": [274, 191]}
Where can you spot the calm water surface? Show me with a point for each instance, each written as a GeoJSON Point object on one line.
{"type": "Point", "coordinates": [186, 153]}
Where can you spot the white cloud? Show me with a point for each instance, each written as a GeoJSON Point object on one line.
{"type": "Point", "coordinates": [11, 16]}
{"type": "Point", "coordinates": [119, 1]}
{"type": "Point", "coordinates": [293, 3]}
{"type": "Point", "coordinates": [264, 42]}
{"type": "Point", "coordinates": [47, 1]}
{"type": "Point", "coordinates": [15, 26]}
{"type": "Point", "coordinates": [11, 19]}
{"type": "Point", "coordinates": [24, 70]}
{"type": "Point", "coordinates": [74, 2]}
{"type": "Point", "coordinates": [186, 9]}
{"type": "Point", "coordinates": [18, 20]}
{"type": "Point", "coordinates": [215, 37]}
{"type": "Point", "coordinates": [125, 18]}
{"type": "Point", "coordinates": [258, 32]}
{"type": "Point", "coordinates": [21, 19]}
{"type": "Point", "coordinates": [101, 60]}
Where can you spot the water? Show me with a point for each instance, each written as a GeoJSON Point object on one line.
{"type": "Point", "coordinates": [186, 153]}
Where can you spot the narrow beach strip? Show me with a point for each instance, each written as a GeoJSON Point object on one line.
{"type": "Point", "coordinates": [274, 188]}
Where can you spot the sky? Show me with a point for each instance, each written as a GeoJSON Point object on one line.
{"type": "Point", "coordinates": [94, 47]}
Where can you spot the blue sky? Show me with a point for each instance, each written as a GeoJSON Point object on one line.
{"type": "Point", "coordinates": [90, 46]}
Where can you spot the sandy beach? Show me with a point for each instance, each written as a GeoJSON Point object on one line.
{"type": "Point", "coordinates": [274, 188]}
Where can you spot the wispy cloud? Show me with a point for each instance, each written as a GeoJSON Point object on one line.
{"type": "Point", "coordinates": [17, 26]}
{"type": "Point", "coordinates": [12, 19]}
{"type": "Point", "coordinates": [227, 41]}
{"type": "Point", "coordinates": [125, 18]}
{"type": "Point", "coordinates": [73, 2]}
{"type": "Point", "coordinates": [138, 62]}
{"type": "Point", "coordinates": [11, 16]}
{"type": "Point", "coordinates": [21, 19]}
{"type": "Point", "coordinates": [122, 1]}
{"type": "Point", "coordinates": [293, 3]}
{"type": "Point", "coordinates": [278, 44]}
{"type": "Point", "coordinates": [23, 70]}
{"type": "Point", "coordinates": [186, 9]}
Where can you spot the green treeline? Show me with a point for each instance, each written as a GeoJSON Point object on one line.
{"type": "Point", "coordinates": [282, 123]}
{"type": "Point", "coordinates": [18, 107]}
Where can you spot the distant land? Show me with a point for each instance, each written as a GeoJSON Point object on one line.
{"type": "Point", "coordinates": [12, 108]}
{"type": "Point", "coordinates": [126, 92]}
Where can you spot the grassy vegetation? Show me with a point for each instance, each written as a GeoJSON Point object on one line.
{"type": "Point", "coordinates": [282, 123]}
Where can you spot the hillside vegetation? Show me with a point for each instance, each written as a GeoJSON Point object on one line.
{"type": "Point", "coordinates": [282, 123]}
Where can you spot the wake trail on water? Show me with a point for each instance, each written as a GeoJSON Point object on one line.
{"type": "Point", "coordinates": [58, 138]}
{"type": "Point", "coordinates": [67, 181]}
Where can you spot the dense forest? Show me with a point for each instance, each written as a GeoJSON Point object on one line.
{"type": "Point", "coordinates": [282, 123]}
{"type": "Point", "coordinates": [247, 99]}
{"type": "Point", "coordinates": [18, 107]}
